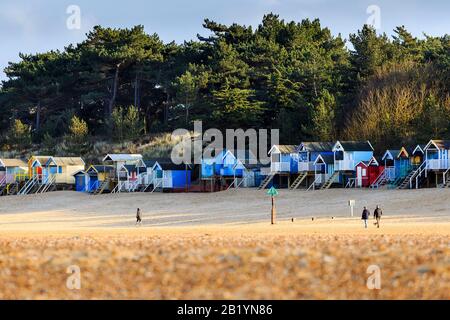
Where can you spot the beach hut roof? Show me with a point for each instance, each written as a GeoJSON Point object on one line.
{"type": "Point", "coordinates": [248, 165]}
{"type": "Point", "coordinates": [419, 148]}
{"type": "Point", "coordinates": [122, 157]}
{"type": "Point", "coordinates": [100, 168]}
{"type": "Point", "coordinates": [404, 151]}
{"type": "Point", "coordinates": [167, 164]}
{"type": "Point", "coordinates": [129, 168]}
{"type": "Point", "coordinates": [316, 146]}
{"type": "Point", "coordinates": [372, 161]}
{"type": "Point", "coordinates": [283, 149]}
{"type": "Point", "coordinates": [439, 144]}
{"type": "Point", "coordinates": [173, 166]}
{"type": "Point", "coordinates": [65, 161]}
{"type": "Point", "coordinates": [10, 163]}
{"type": "Point", "coordinates": [350, 146]}
{"type": "Point", "coordinates": [390, 154]}
{"type": "Point", "coordinates": [324, 158]}
{"type": "Point", "coordinates": [378, 159]}
{"type": "Point", "coordinates": [150, 163]}
{"type": "Point", "coordinates": [79, 173]}
{"type": "Point", "coordinates": [365, 163]}
{"type": "Point", "coordinates": [41, 159]}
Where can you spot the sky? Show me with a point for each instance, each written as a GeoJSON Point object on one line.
{"type": "Point", "coordinates": [41, 25]}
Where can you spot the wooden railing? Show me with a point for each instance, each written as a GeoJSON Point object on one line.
{"type": "Point", "coordinates": [438, 164]}
{"type": "Point", "coordinates": [344, 165]}
{"type": "Point", "coordinates": [281, 167]}
{"type": "Point", "coordinates": [306, 166]}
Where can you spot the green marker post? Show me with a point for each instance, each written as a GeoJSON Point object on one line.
{"type": "Point", "coordinates": [272, 193]}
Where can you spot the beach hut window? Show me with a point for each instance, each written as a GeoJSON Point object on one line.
{"type": "Point", "coordinates": [276, 157]}
{"type": "Point", "coordinates": [59, 169]}
{"type": "Point", "coordinates": [339, 155]}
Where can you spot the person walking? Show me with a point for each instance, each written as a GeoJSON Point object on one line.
{"type": "Point", "coordinates": [138, 217]}
{"type": "Point", "coordinates": [365, 217]}
{"type": "Point", "coordinates": [377, 215]}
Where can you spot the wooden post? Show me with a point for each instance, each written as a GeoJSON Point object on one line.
{"type": "Point", "coordinates": [273, 214]}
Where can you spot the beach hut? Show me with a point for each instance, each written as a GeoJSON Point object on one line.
{"type": "Point", "coordinates": [367, 172]}
{"type": "Point", "coordinates": [128, 178]}
{"type": "Point", "coordinates": [388, 160]}
{"type": "Point", "coordinates": [212, 165]}
{"type": "Point", "coordinates": [239, 165]}
{"type": "Point", "coordinates": [400, 165]}
{"type": "Point", "coordinates": [323, 171]}
{"type": "Point", "coordinates": [63, 169]}
{"type": "Point", "coordinates": [81, 181]}
{"type": "Point", "coordinates": [13, 173]}
{"type": "Point", "coordinates": [347, 154]}
{"type": "Point", "coordinates": [145, 174]}
{"type": "Point", "coordinates": [118, 160]}
{"type": "Point", "coordinates": [436, 165]}
{"type": "Point", "coordinates": [417, 155]}
{"type": "Point", "coordinates": [219, 169]}
{"type": "Point", "coordinates": [99, 178]}
{"type": "Point", "coordinates": [308, 152]}
{"type": "Point", "coordinates": [283, 165]}
{"type": "Point", "coordinates": [12, 170]}
{"type": "Point", "coordinates": [171, 176]}
{"type": "Point", "coordinates": [37, 175]}
{"type": "Point", "coordinates": [247, 175]}
{"type": "Point", "coordinates": [36, 165]}
{"type": "Point", "coordinates": [246, 169]}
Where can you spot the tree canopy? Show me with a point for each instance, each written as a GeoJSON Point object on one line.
{"type": "Point", "coordinates": [295, 76]}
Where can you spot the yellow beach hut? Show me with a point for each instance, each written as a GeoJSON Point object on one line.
{"type": "Point", "coordinates": [63, 168]}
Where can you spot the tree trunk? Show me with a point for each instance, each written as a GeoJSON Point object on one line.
{"type": "Point", "coordinates": [166, 110]}
{"type": "Point", "coordinates": [136, 91]}
{"type": "Point", "coordinates": [112, 101]}
{"type": "Point", "coordinates": [38, 117]}
{"type": "Point", "coordinates": [186, 105]}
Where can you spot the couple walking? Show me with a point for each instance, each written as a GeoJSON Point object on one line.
{"type": "Point", "coordinates": [376, 214]}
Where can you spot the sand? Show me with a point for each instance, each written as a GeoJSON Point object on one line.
{"type": "Point", "coordinates": [222, 246]}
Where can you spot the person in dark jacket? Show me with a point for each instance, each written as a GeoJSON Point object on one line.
{"type": "Point", "coordinates": [138, 216]}
{"type": "Point", "coordinates": [365, 217]}
{"type": "Point", "coordinates": [377, 215]}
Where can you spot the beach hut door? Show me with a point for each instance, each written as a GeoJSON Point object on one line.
{"type": "Point", "coordinates": [359, 175]}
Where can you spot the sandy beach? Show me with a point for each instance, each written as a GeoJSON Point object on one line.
{"type": "Point", "coordinates": [222, 246]}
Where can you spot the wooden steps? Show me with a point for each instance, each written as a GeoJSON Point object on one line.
{"type": "Point", "coordinates": [405, 182]}
{"type": "Point", "coordinates": [296, 184]}
{"type": "Point", "coordinates": [101, 188]}
{"type": "Point", "coordinates": [266, 181]}
{"type": "Point", "coordinates": [330, 181]}
{"type": "Point", "coordinates": [380, 181]}
{"type": "Point", "coordinates": [157, 185]}
{"type": "Point", "coordinates": [29, 186]}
